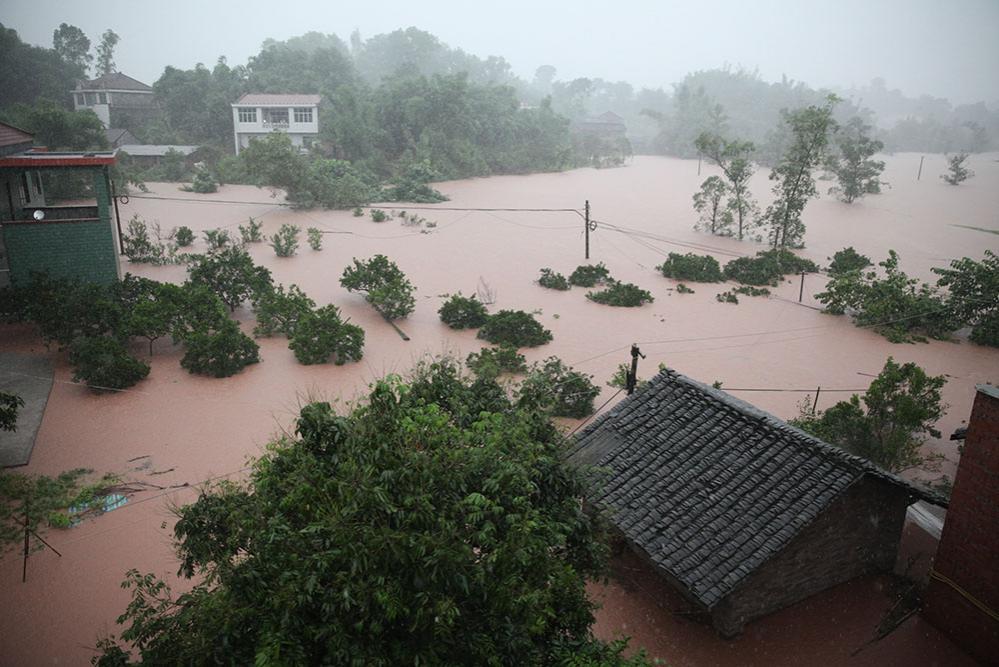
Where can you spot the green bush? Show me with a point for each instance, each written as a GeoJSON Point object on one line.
{"type": "Point", "coordinates": [358, 212]}
{"type": "Point", "coordinates": [624, 295]}
{"type": "Point", "coordinates": [461, 312]}
{"type": "Point", "coordinates": [217, 239]}
{"type": "Point", "coordinates": [203, 182]}
{"type": "Point", "coordinates": [141, 248]}
{"type": "Point", "coordinates": [279, 311]}
{"type": "Point", "coordinates": [183, 236]}
{"type": "Point", "coordinates": [556, 388]}
{"type": "Point", "coordinates": [231, 274]}
{"type": "Point", "coordinates": [315, 237]}
{"type": "Point", "coordinates": [683, 289]}
{"type": "Point", "coordinates": [589, 275]}
{"type": "Point", "coordinates": [490, 362]}
{"type": "Point", "coordinates": [384, 286]}
{"type": "Point", "coordinates": [251, 232]}
{"type": "Point", "coordinates": [752, 291]}
{"type": "Point", "coordinates": [727, 296]}
{"type": "Point", "coordinates": [285, 242]}
{"type": "Point", "coordinates": [768, 267]}
{"type": "Point", "coordinates": [65, 310]}
{"type": "Point", "coordinates": [847, 260]}
{"type": "Point", "coordinates": [104, 364]}
{"type": "Point", "coordinates": [553, 280]}
{"type": "Point", "coordinates": [378, 215]}
{"type": "Point", "coordinates": [321, 334]}
{"type": "Point", "coordinates": [220, 353]}
{"type": "Point", "coordinates": [514, 328]}
{"type": "Point", "coordinates": [412, 185]}
{"type": "Point", "coordinates": [697, 268]}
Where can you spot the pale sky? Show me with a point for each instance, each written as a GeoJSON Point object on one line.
{"type": "Point", "coordinates": [947, 49]}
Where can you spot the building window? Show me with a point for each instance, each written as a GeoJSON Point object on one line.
{"type": "Point", "coordinates": [79, 100]}
{"type": "Point", "coordinates": [91, 99]}
{"type": "Point", "coordinates": [276, 116]}
{"type": "Point", "coordinates": [303, 115]}
{"type": "Point", "coordinates": [25, 189]}
{"type": "Point", "coordinates": [247, 115]}
{"type": "Point", "coordinates": [36, 179]}
{"type": "Point", "coordinates": [103, 97]}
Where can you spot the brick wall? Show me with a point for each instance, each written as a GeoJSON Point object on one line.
{"type": "Point", "coordinates": [77, 250]}
{"type": "Point", "coordinates": [859, 533]}
{"type": "Point", "coordinates": [968, 554]}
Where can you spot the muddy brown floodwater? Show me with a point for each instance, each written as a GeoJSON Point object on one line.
{"type": "Point", "coordinates": [187, 429]}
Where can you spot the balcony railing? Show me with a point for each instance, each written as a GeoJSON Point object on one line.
{"type": "Point", "coordinates": [275, 124]}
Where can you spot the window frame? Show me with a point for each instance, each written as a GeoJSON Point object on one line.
{"type": "Point", "coordinates": [304, 114]}
{"type": "Point", "coordinates": [246, 114]}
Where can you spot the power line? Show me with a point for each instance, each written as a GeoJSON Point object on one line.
{"type": "Point", "coordinates": [210, 201]}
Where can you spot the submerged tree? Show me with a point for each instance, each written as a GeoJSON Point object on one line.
{"type": "Point", "coordinates": [708, 202]}
{"type": "Point", "coordinates": [733, 157]}
{"type": "Point", "coordinates": [851, 162]}
{"type": "Point", "coordinates": [794, 186]}
{"type": "Point", "coordinates": [973, 298]}
{"type": "Point", "coordinates": [384, 285]}
{"type": "Point", "coordinates": [958, 172]}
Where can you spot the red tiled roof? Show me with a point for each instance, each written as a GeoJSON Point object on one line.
{"type": "Point", "coordinates": [41, 160]}
{"type": "Point", "coordinates": [11, 136]}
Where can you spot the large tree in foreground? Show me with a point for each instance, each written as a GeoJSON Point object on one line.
{"type": "Point", "coordinates": [433, 525]}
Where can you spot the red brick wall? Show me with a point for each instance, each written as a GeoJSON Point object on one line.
{"type": "Point", "coordinates": [969, 546]}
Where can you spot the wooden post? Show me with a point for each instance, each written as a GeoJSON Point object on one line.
{"type": "Point", "coordinates": [815, 404]}
{"type": "Point", "coordinates": [801, 291]}
{"type": "Point", "coordinates": [920, 173]}
{"type": "Point", "coordinates": [586, 222]}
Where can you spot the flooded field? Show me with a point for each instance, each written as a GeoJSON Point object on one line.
{"type": "Point", "coordinates": [175, 428]}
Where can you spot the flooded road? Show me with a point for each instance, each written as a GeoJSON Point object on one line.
{"type": "Point", "coordinates": [175, 428]}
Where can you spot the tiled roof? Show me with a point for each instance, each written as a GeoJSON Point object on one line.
{"type": "Point", "coordinates": [12, 136]}
{"type": "Point", "coordinates": [708, 486]}
{"type": "Point", "coordinates": [114, 81]}
{"type": "Point", "coordinates": [285, 100]}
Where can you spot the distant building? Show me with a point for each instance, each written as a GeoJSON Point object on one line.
{"type": "Point", "coordinates": [607, 124]}
{"type": "Point", "coordinates": [962, 599]}
{"type": "Point", "coordinates": [117, 99]}
{"type": "Point", "coordinates": [118, 136]}
{"type": "Point", "coordinates": [77, 241]}
{"type": "Point", "coordinates": [738, 511]}
{"type": "Point", "coordinates": [148, 155]}
{"type": "Point", "coordinates": [256, 115]}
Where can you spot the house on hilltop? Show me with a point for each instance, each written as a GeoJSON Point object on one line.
{"type": "Point", "coordinates": [740, 512]}
{"type": "Point", "coordinates": [255, 115]}
{"type": "Point", "coordinates": [118, 100]}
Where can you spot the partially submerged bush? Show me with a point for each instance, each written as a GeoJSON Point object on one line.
{"type": "Point", "coordinates": [285, 241]}
{"type": "Point", "coordinates": [184, 236]}
{"type": "Point", "coordinates": [231, 274]}
{"type": "Point", "coordinates": [514, 328]}
{"type": "Point", "coordinates": [141, 248]}
{"type": "Point", "coordinates": [251, 232]}
{"type": "Point", "coordinates": [321, 334]}
{"type": "Point", "coordinates": [203, 182]}
{"type": "Point", "coordinates": [553, 280]}
{"type": "Point", "coordinates": [847, 260]}
{"type": "Point", "coordinates": [727, 296]}
{"type": "Point", "coordinates": [626, 295]}
{"type": "Point", "coordinates": [588, 275]}
{"type": "Point", "coordinates": [411, 185]}
{"type": "Point", "coordinates": [696, 268]}
{"type": "Point", "coordinates": [217, 239]}
{"type": "Point", "coordinates": [358, 212]}
{"type": "Point", "coordinates": [768, 267]}
{"type": "Point", "coordinates": [315, 237]}
{"type": "Point", "coordinates": [683, 289]}
{"type": "Point", "coordinates": [461, 312]}
{"type": "Point", "coordinates": [219, 353]}
{"type": "Point", "coordinates": [378, 215]}
{"type": "Point", "coordinates": [279, 310]}
{"type": "Point", "coordinates": [556, 388]}
{"type": "Point", "coordinates": [490, 362]}
{"type": "Point", "coordinates": [748, 290]}
{"type": "Point", "coordinates": [104, 364]}
{"type": "Point", "coordinates": [384, 285]}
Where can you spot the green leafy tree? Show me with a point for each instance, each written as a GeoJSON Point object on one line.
{"type": "Point", "coordinates": [690, 266]}
{"type": "Point", "coordinates": [184, 236]}
{"type": "Point", "coordinates": [490, 362]}
{"type": "Point", "coordinates": [553, 387]}
{"type": "Point", "coordinates": [847, 260]}
{"type": "Point", "coordinates": [274, 161]}
{"type": "Point", "coordinates": [315, 238]}
{"type": "Point", "coordinates": [285, 241]}
{"type": "Point", "coordinates": [851, 162]}
{"type": "Point", "coordinates": [552, 280]}
{"type": "Point", "coordinates": [10, 404]}
{"type": "Point", "coordinates": [625, 295]}
{"type": "Point", "coordinates": [104, 364]}
{"type": "Point", "coordinates": [889, 423]}
{"type": "Point", "coordinates": [733, 157]}
{"type": "Point", "coordinates": [221, 352]}
{"type": "Point", "coordinates": [463, 312]}
{"type": "Point", "coordinates": [449, 545]}
{"type": "Point", "coordinates": [794, 185]}
{"type": "Point", "coordinates": [383, 284]}
{"type": "Point", "coordinates": [231, 274]}
{"type": "Point", "coordinates": [588, 275]}
{"type": "Point", "coordinates": [153, 314]}
{"type": "Point", "coordinates": [203, 181]}
{"type": "Point", "coordinates": [251, 231]}
{"type": "Point", "coordinates": [105, 52]}
{"type": "Point", "coordinates": [58, 128]}
{"type": "Point", "coordinates": [514, 328]}
{"type": "Point", "coordinates": [279, 310]}
{"type": "Point", "coordinates": [767, 267]}
{"type": "Point", "coordinates": [73, 47]}
{"type": "Point", "coordinates": [714, 219]}
{"type": "Point", "coordinates": [958, 172]}
{"type": "Point", "coordinates": [973, 295]}
{"type": "Point", "coordinates": [322, 334]}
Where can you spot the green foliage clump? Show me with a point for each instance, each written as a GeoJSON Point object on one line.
{"type": "Point", "coordinates": [141, 248]}
{"type": "Point", "coordinates": [589, 276]}
{"type": "Point", "coordinates": [231, 274]}
{"type": "Point", "coordinates": [183, 236]}
{"type": "Point", "coordinates": [899, 409]}
{"type": "Point", "coordinates": [322, 334]}
{"type": "Point", "coordinates": [417, 475]}
{"type": "Point", "coordinates": [490, 362]}
{"type": "Point", "coordinates": [958, 172]}
{"type": "Point", "coordinates": [285, 241]}
{"type": "Point", "coordinates": [767, 267]}
{"type": "Point", "coordinates": [338, 184]}
{"type": "Point", "coordinates": [461, 312]}
{"type": "Point", "coordinates": [251, 231]}
{"type": "Point", "coordinates": [279, 310]}
{"type": "Point", "coordinates": [315, 237]}
{"type": "Point", "coordinates": [384, 285]}
{"type": "Point", "coordinates": [514, 328]}
{"type": "Point", "coordinates": [203, 182]}
{"type": "Point", "coordinates": [412, 185]}
{"type": "Point", "coordinates": [626, 295]}
{"type": "Point", "coordinates": [378, 215]}
{"type": "Point", "coordinates": [65, 310]}
{"type": "Point", "coordinates": [846, 260]}
{"type": "Point", "coordinates": [358, 212]}
{"type": "Point", "coordinates": [728, 296]}
{"type": "Point", "coordinates": [693, 267]}
{"type": "Point", "coordinates": [896, 306]}
{"type": "Point", "coordinates": [973, 296]}
{"type": "Point", "coordinates": [714, 217]}
{"type": "Point", "coordinates": [749, 290]}
{"type": "Point", "coordinates": [552, 280]}
{"type": "Point", "coordinates": [10, 404]}
{"type": "Point", "coordinates": [735, 159]}
{"type": "Point", "coordinates": [683, 289]}
{"type": "Point", "coordinates": [553, 387]}
{"type": "Point", "coordinates": [217, 239]}
{"type": "Point", "coordinates": [219, 353]}
{"type": "Point", "coordinates": [104, 364]}
{"type": "Point", "coordinates": [851, 162]}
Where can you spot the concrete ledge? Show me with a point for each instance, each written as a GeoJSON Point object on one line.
{"type": "Point", "coordinates": [30, 377]}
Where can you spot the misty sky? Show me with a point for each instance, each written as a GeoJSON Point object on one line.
{"type": "Point", "coordinates": [948, 49]}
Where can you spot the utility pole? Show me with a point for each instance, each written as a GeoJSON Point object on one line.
{"type": "Point", "coordinates": [801, 292]}
{"type": "Point", "coordinates": [920, 172]}
{"type": "Point", "coordinates": [698, 163]}
{"type": "Point", "coordinates": [586, 222]}
{"type": "Point", "coordinates": [632, 381]}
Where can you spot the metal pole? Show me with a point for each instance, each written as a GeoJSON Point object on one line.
{"type": "Point", "coordinates": [818, 390]}
{"type": "Point", "coordinates": [920, 173]}
{"type": "Point", "coordinates": [117, 215]}
{"type": "Point", "coordinates": [586, 222]}
{"type": "Point", "coordinates": [801, 292]}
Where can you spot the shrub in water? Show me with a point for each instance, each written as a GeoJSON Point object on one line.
{"type": "Point", "coordinates": [104, 364]}
{"type": "Point", "coordinates": [554, 387]}
{"type": "Point", "coordinates": [279, 310]}
{"type": "Point", "coordinates": [378, 215]}
{"type": "Point", "coordinates": [321, 334]}
{"type": "Point", "coordinates": [514, 328]}
{"type": "Point", "coordinates": [231, 274]}
{"type": "Point", "coordinates": [847, 260]}
{"type": "Point", "coordinates": [767, 267]}
{"type": "Point", "coordinates": [285, 242]}
{"type": "Point", "coordinates": [183, 236]}
{"type": "Point", "coordinates": [589, 275]}
{"type": "Point", "coordinates": [315, 237]}
{"type": "Point", "coordinates": [219, 353]}
{"type": "Point", "coordinates": [358, 212]}
{"type": "Point", "coordinates": [683, 289]}
{"type": "Point", "coordinates": [385, 286]}
{"type": "Point", "coordinates": [461, 312]}
{"type": "Point", "coordinates": [727, 297]}
{"type": "Point", "coordinates": [696, 268]}
{"type": "Point", "coordinates": [489, 362]}
{"type": "Point", "coordinates": [752, 291]}
{"type": "Point", "coordinates": [251, 232]}
{"type": "Point", "coordinates": [624, 295]}
{"type": "Point", "coordinates": [553, 280]}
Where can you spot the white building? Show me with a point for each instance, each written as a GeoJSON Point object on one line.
{"type": "Point", "coordinates": [129, 100]}
{"type": "Point", "coordinates": [256, 115]}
